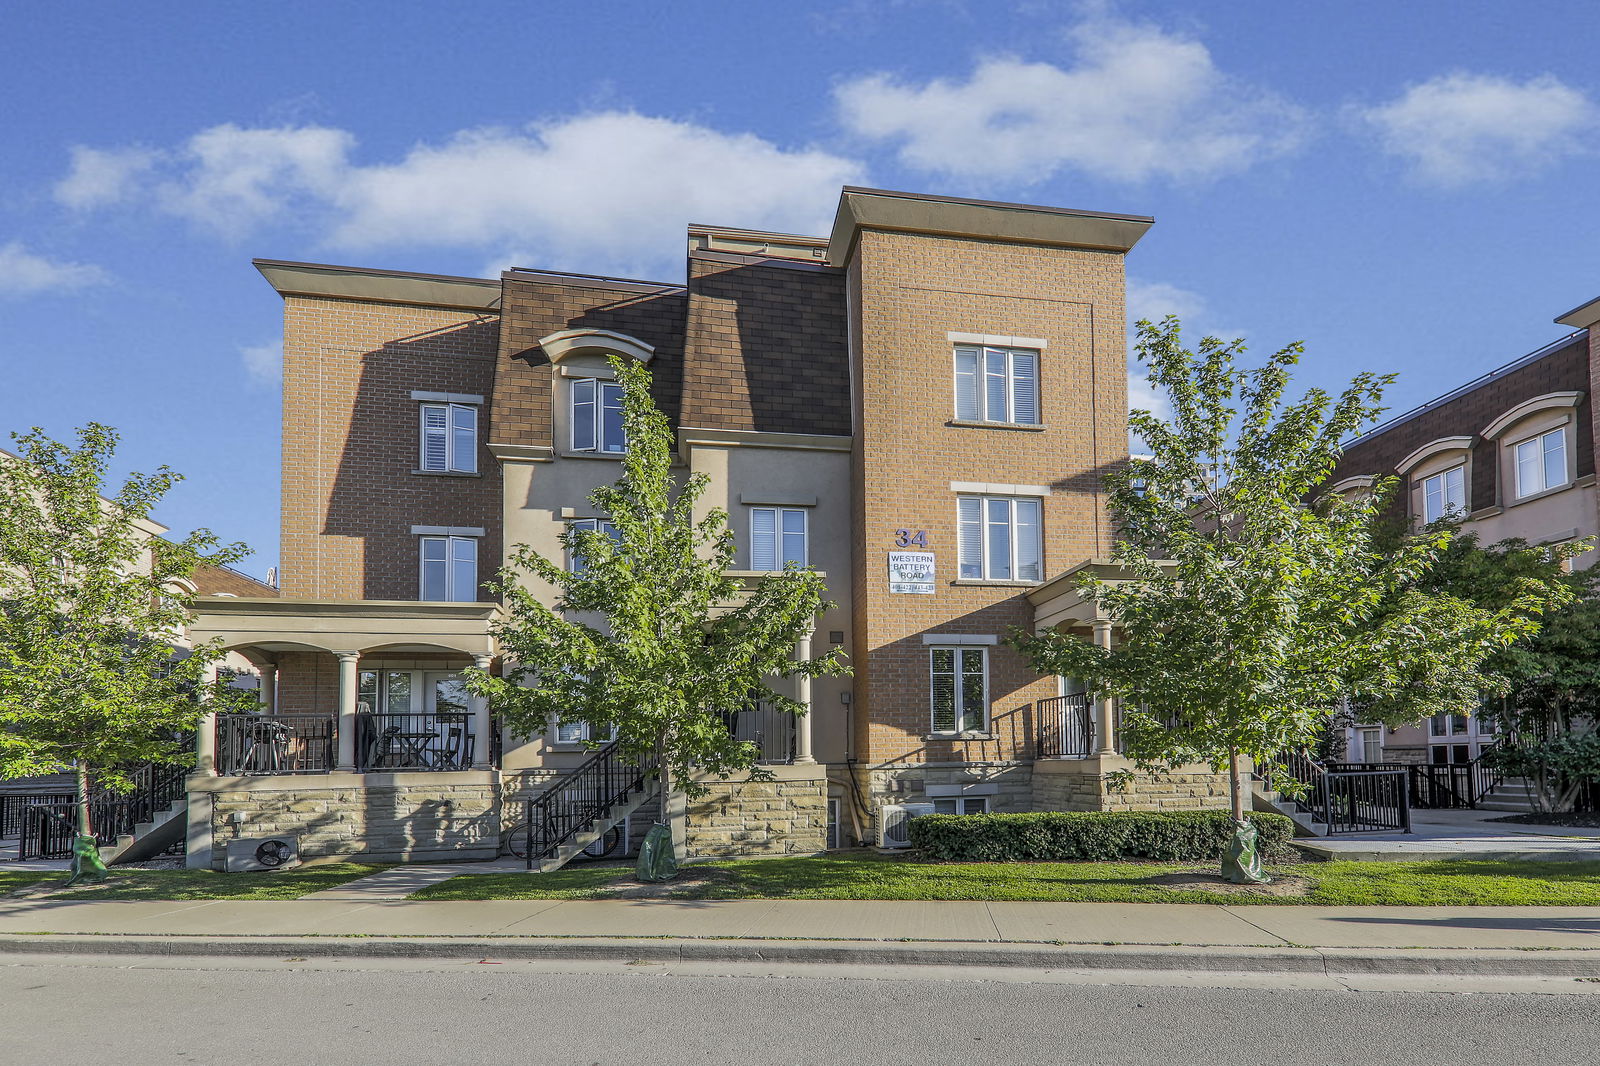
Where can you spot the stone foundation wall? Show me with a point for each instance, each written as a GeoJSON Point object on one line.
{"type": "Point", "coordinates": [1081, 785]}
{"type": "Point", "coordinates": [1007, 786]}
{"type": "Point", "coordinates": [788, 816]}
{"type": "Point", "coordinates": [380, 822]}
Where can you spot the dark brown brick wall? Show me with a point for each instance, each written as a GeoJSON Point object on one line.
{"type": "Point", "coordinates": [218, 580]}
{"type": "Point", "coordinates": [350, 443]}
{"type": "Point", "coordinates": [1563, 370]}
{"type": "Point", "coordinates": [532, 308]}
{"type": "Point", "coordinates": [767, 348]}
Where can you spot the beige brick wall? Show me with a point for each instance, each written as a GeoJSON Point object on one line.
{"type": "Point", "coordinates": [1082, 785]}
{"type": "Point", "coordinates": [912, 290]}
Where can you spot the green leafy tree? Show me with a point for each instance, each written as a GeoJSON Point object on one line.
{"type": "Point", "coordinates": [89, 615]}
{"type": "Point", "coordinates": [1250, 613]}
{"type": "Point", "coordinates": [650, 638]}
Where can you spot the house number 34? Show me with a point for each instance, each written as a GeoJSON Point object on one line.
{"type": "Point", "coordinates": [910, 538]}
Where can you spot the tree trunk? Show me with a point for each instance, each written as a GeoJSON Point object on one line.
{"type": "Point", "coordinates": [82, 769]}
{"type": "Point", "coordinates": [668, 805]}
{"type": "Point", "coordinates": [1235, 793]}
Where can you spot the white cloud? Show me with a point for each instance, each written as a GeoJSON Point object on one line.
{"type": "Point", "coordinates": [98, 178]}
{"type": "Point", "coordinates": [598, 191]}
{"type": "Point", "coordinates": [263, 363]}
{"type": "Point", "coordinates": [1461, 128]}
{"type": "Point", "coordinates": [1135, 103]}
{"type": "Point", "coordinates": [1157, 299]}
{"type": "Point", "coordinates": [23, 273]}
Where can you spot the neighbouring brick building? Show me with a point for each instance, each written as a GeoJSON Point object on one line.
{"type": "Point", "coordinates": [920, 405]}
{"type": "Point", "coordinates": [1512, 453]}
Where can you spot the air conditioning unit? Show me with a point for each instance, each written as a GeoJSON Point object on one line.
{"type": "Point", "coordinates": [255, 854]}
{"type": "Point", "coordinates": [893, 818]}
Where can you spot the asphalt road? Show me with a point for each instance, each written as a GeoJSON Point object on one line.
{"type": "Point", "coordinates": [242, 1013]}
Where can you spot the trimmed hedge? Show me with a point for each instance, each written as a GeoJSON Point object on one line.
{"type": "Point", "coordinates": [1078, 836]}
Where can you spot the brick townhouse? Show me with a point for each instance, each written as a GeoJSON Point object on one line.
{"type": "Point", "coordinates": [1512, 453]}
{"type": "Point", "coordinates": [920, 404]}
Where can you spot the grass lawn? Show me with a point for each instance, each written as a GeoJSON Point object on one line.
{"type": "Point", "coordinates": [200, 884]}
{"type": "Point", "coordinates": [1451, 883]}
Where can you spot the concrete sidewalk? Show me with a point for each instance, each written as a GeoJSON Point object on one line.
{"type": "Point", "coordinates": [1472, 835]}
{"type": "Point", "coordinates": [1487, 940]}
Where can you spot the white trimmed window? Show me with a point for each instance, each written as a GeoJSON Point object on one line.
{"type": "Point", "coordinates": [962, 805]}
{"type": "Point", "coordinates": [1444, 493]}
{"type": "Point", "coordinates": [597, 416]}
{"type": "Point", "coordinates": [578, 733]}
{"type": "Point", "coordinates": [997, 385]}
{"type": "Point", "coordinates": [449, 438]}
{"type": "Point", "coordinates": [450, 569]}
{"type": "Point", "coordinates": [998, 538]}
{"type": "Point", "coordinates": [960, 687]}
{"type": "Point", "coordinates": [777, 537]}
{"type": "Point", "coordinates": [575, 560]}
{"type": "Point", "coordinates": [1541, 462]}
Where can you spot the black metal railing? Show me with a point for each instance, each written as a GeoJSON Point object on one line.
{"type": "Point", "coordinates": [1064, 726]}
{"type": "Point", "coordinates": [575, 801]}
{"type": "Point", "coordinates": [12, 804]}
{"type": "Point", "coordinates": [1349, 797]}
{"type": "Point", "coordinates": [258, 744]}
{"type": "Point", "coordinates": [439, 740]}
{"type": "Point", "coordinates": [770, 729]}
{"type": "Point", "coordinates": [48, 829]}
{"type": "Point", "coordinates": [1441, 786]}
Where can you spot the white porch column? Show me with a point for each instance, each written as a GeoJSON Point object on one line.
{"type": "Point", "coordinates": [205, 736]}
{"type": "Point", "coordinates": [349, 689]}
{"type": "Point", "coordinates": [269, 687]}
{"type": "Point", "coordinates": [1105, 706]}
{"type": "Point", "coordinates": [481, 741]}
{"type": "Point", "coordinates": [802, 732]}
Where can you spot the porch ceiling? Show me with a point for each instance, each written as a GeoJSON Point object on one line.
{"type": "Point", "coordinates": [344, 626]}
{"type": "Point", "coordinates": [1059, 601]}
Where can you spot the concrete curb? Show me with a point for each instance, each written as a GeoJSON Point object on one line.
{"type": "Point", "coordinates": [1499, 962]}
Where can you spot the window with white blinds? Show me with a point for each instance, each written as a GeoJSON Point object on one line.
{"type": "Point", "coordinates": [449, 438]}
{"type": "Point", "coordinates": [449, 569]}
{"type": "Point", "coordinates": [575, 560]}
{"type": "Point", "coordinates": [777, 537]}
{"type": "Point", "coordinates": [998, 538]}
{"type": "Point", "coordinates": [597, 416]}
{"type": "Point", "coordinates": [997, 385]}
{"type": "Point", "coordinates": [960, 678]}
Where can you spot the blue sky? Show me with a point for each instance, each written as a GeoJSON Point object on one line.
{"type": "Point", "coordinates": [1406, 187]}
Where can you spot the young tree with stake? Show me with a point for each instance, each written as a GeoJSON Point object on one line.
{"type": "Point", "coordinates": [1271, 608]}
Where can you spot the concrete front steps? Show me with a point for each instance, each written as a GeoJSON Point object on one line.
{"type": "Point", "coordinates": [149, 839]}
{"type": "Point", "coordinates": [1514, 795]}
{"type": "Point", "coordinates": [1263, 798]}
{"type": "Point", "coordinates": [599, 826]}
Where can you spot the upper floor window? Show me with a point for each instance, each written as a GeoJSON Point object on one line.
{"type": "Point", "coordinates": [1444, 493]}
{"type": "Point", "coordinates": [777, 537]}
{"type": "Point", "coordinates": [575, 560]}
{"type": "Point", "coordinates": [997, 385]}
{"type": "Point", "coordinates": [450, 569]}
{"type": "Point", "coordinates": [597, 416]}
{"type": "Point", "coordinates": [960, 691]}
{"type": "Point", "coordinates": [998, 538]}
{"type": "Point", "coordinates": [1541, 462]}
{"type": "Point", "coordinates": [449, 438]}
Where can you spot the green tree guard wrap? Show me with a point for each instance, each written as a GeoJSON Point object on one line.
{"type": "Point", "coordinates": [86, 862]}
{"type": "Point", "coordinates": [656, 860]}
{"type": "Point", "coordinates": [1242, 863]}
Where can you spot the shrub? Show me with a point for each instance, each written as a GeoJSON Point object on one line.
{"type": "Point", "coordinates": [1094, 836]}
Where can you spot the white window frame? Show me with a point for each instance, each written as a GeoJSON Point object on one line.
{"type": "Point", "coordinates": [575, 562]}
{"type": "Point", "coordinates": [980, 384]}
{"type": "Point", "coordinates": [958, 653]}
{"type": "Point", "coordinates": [961, 804]}
{"type": "Point", "coordinates": [1543, 454]}
{"type": "Point", "coordinates": [594, 422]}
{"type": "Point", "coordinates": [1447, 506]}
{"type": "Point", "coordinates": [454, 462]}
{"type": "Point", "coordinates": [985, 534]}
{"type": "Point", "coordinates": [780, 556]}
{"type": "Point", "coordinates": [453, 545]}
{"type": "Point", "coordinates": [585, 733]}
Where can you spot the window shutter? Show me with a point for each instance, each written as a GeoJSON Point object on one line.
{"type": "Point", "coordinates": [944, 690]}
{"type": "Point", "coordinates": [763, 538]}
{"type": "Point", "coordinates": [583, 420]}
{"type": "Point", "coordinates": [464, 439]}
{"type": "Point", "coordinates": [967, 406]}
{"type": "Point", "coordinates": [969, 535]}
{"type": "Point", "coordinates": [995, 385]}
{"type": "Point", "coordinates": [435, 445]}
{"type": "Point", "coordinates": [1024, 388]}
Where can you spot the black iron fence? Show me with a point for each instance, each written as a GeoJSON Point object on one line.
{"type": "Point", "coordinates": [1064, 726]}
{"type": "Point", "coordinates": [1349, 797]}
{"type": "Point", "coordinates": [47, 829]}
{"type": "Point", "coordinates": [439, 740]}
{"type": "Point", "coordinates": [256, 744]}
{"type": "Point", "coordinates": [770, 729]}
{"type": "Point", "coordinates": [12, 805]}
{"type": "Point", "coordinates": [1439, 786]}
{"type": "Point", "coordinates": [573, 804]}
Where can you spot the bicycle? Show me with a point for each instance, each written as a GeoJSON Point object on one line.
{"type": "Point", "coordinates": [516, 844]}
